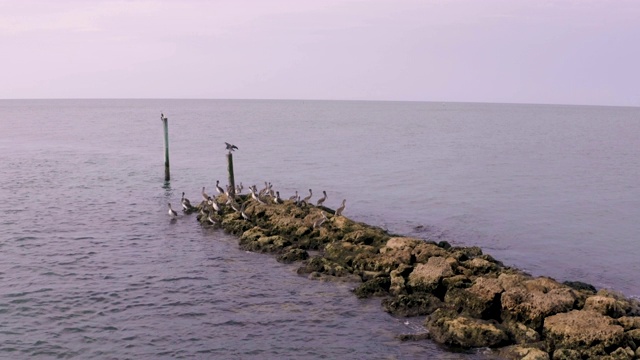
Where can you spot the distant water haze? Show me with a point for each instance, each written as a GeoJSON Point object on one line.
{"type": "Point", "coordinates": [92, 264]}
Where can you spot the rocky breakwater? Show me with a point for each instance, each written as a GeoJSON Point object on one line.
{"type": "Point", "coordinates": [468, 298]}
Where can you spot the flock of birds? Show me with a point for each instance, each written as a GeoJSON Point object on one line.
{"type": "Point", "coordinates": [265, 196]}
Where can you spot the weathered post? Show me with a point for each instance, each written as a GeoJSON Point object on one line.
{"type": "Point", "coordinates": [165, 122]}
{"type": "Point", "coordinates": [232, 183]}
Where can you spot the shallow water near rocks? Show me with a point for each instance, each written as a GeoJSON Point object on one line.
{"type": "Point", "coordinates": [92, 266]}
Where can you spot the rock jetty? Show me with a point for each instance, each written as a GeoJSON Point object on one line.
{"type": "Point", "coordinates": [468, 298]}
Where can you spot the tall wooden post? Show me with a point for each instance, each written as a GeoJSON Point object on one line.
{"type": "Point", "coordinates": [165, 122]}
{"type": "Point", "coordinates": [232, 182]}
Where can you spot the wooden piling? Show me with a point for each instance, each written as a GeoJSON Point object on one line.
{"type": "Point", "coordinates": [165, 122]}
{"type": "Point", "coordinates": [232, 183]}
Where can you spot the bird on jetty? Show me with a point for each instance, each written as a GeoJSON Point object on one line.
{"type": "Point", "coordinates": [319, 222]}
{"type": "Point", "coordinates": [307, 198]}
{"type": "Point", "coordinates": [186, 204]}
{"type": "Point", "coordinates": [212, 220]}
{"type": "Point", "coordinates": [234, 205]}
{"type": "Point", "coordinates": [294, 197]}
{"type": "Point", "coordinates": [218, 188]}
{"type": "Point", "coordinates": [255, 196]}
{"type": "Point", "coordinates": [239, 188]}
{"type": "Point", "coordinates": [341, 208]}
{"type": "Point", "coordinates": [172, 212]}
{"type": "Point", "coordinates": [277, 199]}
{"type": "Point", "coordinates": [214, 204]}
{"type": "Point", "coordinates": [231, 147]}
{"type": "Point", "coordinates": [244, 215]}
{"type": "Point", "coordinates": [205, 196]}
{"type": "Point", "coordinates": [322, 199]}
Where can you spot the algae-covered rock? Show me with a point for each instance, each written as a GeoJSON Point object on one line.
{"type": "Point", "coordinates": [292, 255]}
{"type": "Point", "coordinates": [375, 287]}
{"type": "Point", "coordinates": [426, 277]}
{"type": "Point", "coordinates": [412, 305]}
{"type": "Point", "coordinates": [518, 352]}
{"type": "Point", "coordinates": [566, 354]}
{"type": "Point", "coordinates": [588, 332]}
{"type": "Point", "coordinates": [478, 266]}
{"type": "Point", "coordinates": [581, 286]}
{"type": "Point", "coordinates": [629, 322]}
{"type": "Point", "coordinates": [449, 328]}
{"type": "Point", "coordinates": [423, 251]}
{"type": "Point", "coordinates": [605, 305]}
{"type": "Point", "coordinates": [481, 300]}
{"type": "Point", "coordinates": [521, 333]}
{"type": "Point", "coordinates": [621, 353]}
{"type": "Point", "coordinates": [529, 301]}
{"type": "Point", "coordinates": [398, 279]}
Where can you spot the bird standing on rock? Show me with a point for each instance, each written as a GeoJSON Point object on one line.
{"type": "Point", "coordinates": [322, 199]}
{"type": "Point", "coordinates": [307, 198]}
{"type": "Point", "coordinates": [317, 223]}
{"type": "Point", "coordinates": [186, 204]}
{"type": "Point", "coordinates": [244, 215]}
{"type": "Point", "coordinates": [218, 188]}
{"type": "Point", "coordinates": [341, 208]}
{"type": "Point", "coordinates": [277, 199]}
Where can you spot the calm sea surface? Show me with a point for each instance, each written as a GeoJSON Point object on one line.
{"type": "Point", "coordinates": [92, 267]}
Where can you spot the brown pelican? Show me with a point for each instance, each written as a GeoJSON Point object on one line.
{"type": "Point", "coordinates": [231, 147]}
{"type": "Point", "coordinates": [186, 204]}
{"type": "Point", "coordinates": [244, 215]}
{"type": "Point", "coordinates": [212, 220]}
{"type": "Point", "coordinates": [341, 208]}
{"type": "Point", "coordinates": [294, 197]}
{"type": "Point", "coordinates": [234, 205]}
{"type": "Point", "coordinates": [307, 198]}
{"type": "Point", "coordinates": [239, 188]}
{"type": "Point", "coordinates": [255, 196]}
{"type": "Point", "coordinates": [277, 199]}
{"type": "Point", "coordinates": [205, 196]}
{"type": "Point", "coordinates": [322, 199]}
{"type": "Point", "coordinates": [172, 213]}
{"type": "Point", "coordinates": [320, 221]}
{"type": "Point", "coordinates": [218, 188]}
{"type": "Point", "coordinates": [214, 204]}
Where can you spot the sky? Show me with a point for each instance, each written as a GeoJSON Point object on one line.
{"type": "Point", "coordinates": [584, 52]}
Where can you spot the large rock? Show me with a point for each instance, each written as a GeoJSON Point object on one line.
{"type": "Point", "coordinates": [425, 250]}
{"type": "Point", "coordinates": [629, 322]}
{"type": "Point", "coordinates": [449, 328]}
{"type": "Point", "coordinates": [530, 301]}
{"type": "Point", "coordinates": [605, 305]}
{"type": "Point", "coordinates": [481, 300]}
{"type": "Point", "coordinates": [399, 279]}
{"type": "Point", "coordinates": [517, 352]}
{"type": "Point", "coordinates": [426, 277]}
{"type": "Point", "coordinates": [588, 332]}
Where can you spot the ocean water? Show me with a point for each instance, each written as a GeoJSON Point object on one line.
{"type": "Point", "coordinates": [92, 266]}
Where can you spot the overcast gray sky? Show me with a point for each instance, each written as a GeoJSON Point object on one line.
{"type": "Point", "coordinates": [515, 51]}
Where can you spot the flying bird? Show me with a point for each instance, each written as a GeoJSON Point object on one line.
{"type": "Point", "coordinates": [231, 147]}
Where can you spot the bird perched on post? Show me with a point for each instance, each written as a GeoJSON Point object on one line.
{"type": "Point", "coordinates": [231, 147]}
